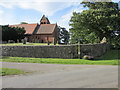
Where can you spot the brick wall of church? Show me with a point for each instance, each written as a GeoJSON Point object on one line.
{"type": "Point", "coordinates": [41, 38]}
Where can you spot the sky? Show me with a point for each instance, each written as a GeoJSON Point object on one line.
{"type": "Point", "coordinates": [31, 11]}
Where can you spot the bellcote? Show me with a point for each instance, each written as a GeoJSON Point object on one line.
{"type": "Point", "coordinates": [44, 20]}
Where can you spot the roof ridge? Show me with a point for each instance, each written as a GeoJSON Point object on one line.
{"type": "Point", "coordinates": [48, 24]}
{"type": "Point", "coordinates": [32, 23]}
{"type": "Point", "coordinates": [23, 24]}
{"type": "Point", "coordinates": [54, 27]}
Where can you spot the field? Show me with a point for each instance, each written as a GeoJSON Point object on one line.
{"type": "Point", "coordinates": [9, 71]}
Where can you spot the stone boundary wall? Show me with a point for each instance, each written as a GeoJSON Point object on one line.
{"type": "Point", "coordinates": [59, 51]}
{"type": "Point", "coordinates": [95, 50]}
{"type": "Point", "coordinates": [40, 51]}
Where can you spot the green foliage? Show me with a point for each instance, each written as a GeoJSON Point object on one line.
{"type": "Point", "coordinates": [12, 33]}
{"type": "Point", "coordinates": [63, 35]}
{"type": "Point", "coordinates": [100, 20]}
{"type": "Point", "coordinates": [23, 23]}
{"type": "Point", "coordinates": [58, 61]}
{"type": "Point", "coordinates": [9, 71]}
{"type": "Point", "coordinates": [54, 41]}
{"type": "Point", "coordinates": [48, 42]}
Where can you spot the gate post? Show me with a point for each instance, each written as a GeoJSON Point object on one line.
{"type": "Point", "coordinates": [79, 49]}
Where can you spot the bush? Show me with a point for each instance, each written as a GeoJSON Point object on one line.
{"type": "Point", "coordinates": [87, 57]}
{"type": "Point", "coordinates": [12, 33]}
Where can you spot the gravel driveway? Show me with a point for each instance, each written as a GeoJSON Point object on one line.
{"type": "Point", "coordinates": [61, 76]}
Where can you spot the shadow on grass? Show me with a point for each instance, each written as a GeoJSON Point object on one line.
{"type": "Point", "coordinates": [105, 59]}
{"type": "Point", "coordinates": [108, 58]}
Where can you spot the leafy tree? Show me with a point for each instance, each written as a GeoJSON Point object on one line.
{"type": "Point", "coordinates": [23, 23]}
{"type": "Point", "coordinates": [100, 20]}
{"type": "Point", "coordinates": [20, 33]}
{"type": "Point", "coordinates": [12, 33]}
{"type": "Point", "coordinates": [63, 35]}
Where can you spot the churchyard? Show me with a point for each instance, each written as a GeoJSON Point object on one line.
{"type": "Point", "coordinates": [45, 54]}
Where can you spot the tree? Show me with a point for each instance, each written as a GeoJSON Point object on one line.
{"type": "Point", "coordinates": [100, 20]}
{"type": "Point", "coordinates": [20, 33]}
{"type": "Point", "coordinates": [23, 23]}
{"type": "Point", "coordinates": [12, 33]}
{"type": "Point", "coordinates": [63, 35]}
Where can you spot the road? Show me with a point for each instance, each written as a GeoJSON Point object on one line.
{"type": "Point", "coordinates": [61, 76]}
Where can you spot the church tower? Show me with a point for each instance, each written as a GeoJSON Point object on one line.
{"type": "Point", "coordinates": [44, 20]}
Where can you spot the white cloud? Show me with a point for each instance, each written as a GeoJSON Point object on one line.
{"type": "Point", "coordinates": [41, 0]}
{"type": "Point", "coordinates": [9, 20]}
{"type": "Point", "coordinates": [1, 12]}
{"type": "Point", "coordinates": [6, 19]}
{"type": "Point", "coordinates": [64, 21]}
{"type": "Point", "coordinates": [48, 7]}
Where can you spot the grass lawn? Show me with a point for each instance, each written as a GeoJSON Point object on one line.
{"type": "Point", "coordinates": [58, 61]}
{"type": "Point", "coordinates": [9, 71]}
{"type": "Point", "coordinates": [110, 58]}
{"type": "Point", "coordinates": [27, 44]}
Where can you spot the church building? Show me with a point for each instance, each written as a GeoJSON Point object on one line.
{"type": "Point", "coordinates": [40, 33]}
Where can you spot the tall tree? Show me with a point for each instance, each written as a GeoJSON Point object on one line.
{"type": "Point", "coordinates": [63, 35]}
{"type": "Point", "coordinates": [12, 33]}
{"type": "Point", "coordinates": [23, 23]}
{"type": "Point", "coordinates": [100, 20]}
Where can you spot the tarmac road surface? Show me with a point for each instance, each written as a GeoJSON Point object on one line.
{"type": "Point", "coordinates": [61, 76]}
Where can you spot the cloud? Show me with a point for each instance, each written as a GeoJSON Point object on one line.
{"type": "Point", "coordinates": [48, 7]}
{"type": "Point", "coordinates": [6, 18]}
{"type": "Point", "coordinates": [1, 12]}
{"type": "Point", "coordinates": [64, 21]}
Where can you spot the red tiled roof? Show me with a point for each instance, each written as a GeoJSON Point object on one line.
{"type": "Point", "coordinates": [28, 27]}
{"type": "Point", "coordinates": [46, 29]}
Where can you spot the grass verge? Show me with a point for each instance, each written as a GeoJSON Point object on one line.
{"type": "Point", "coordinates": [59, 61]}
{"type": "Point", "coordinates": [10, 71]}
